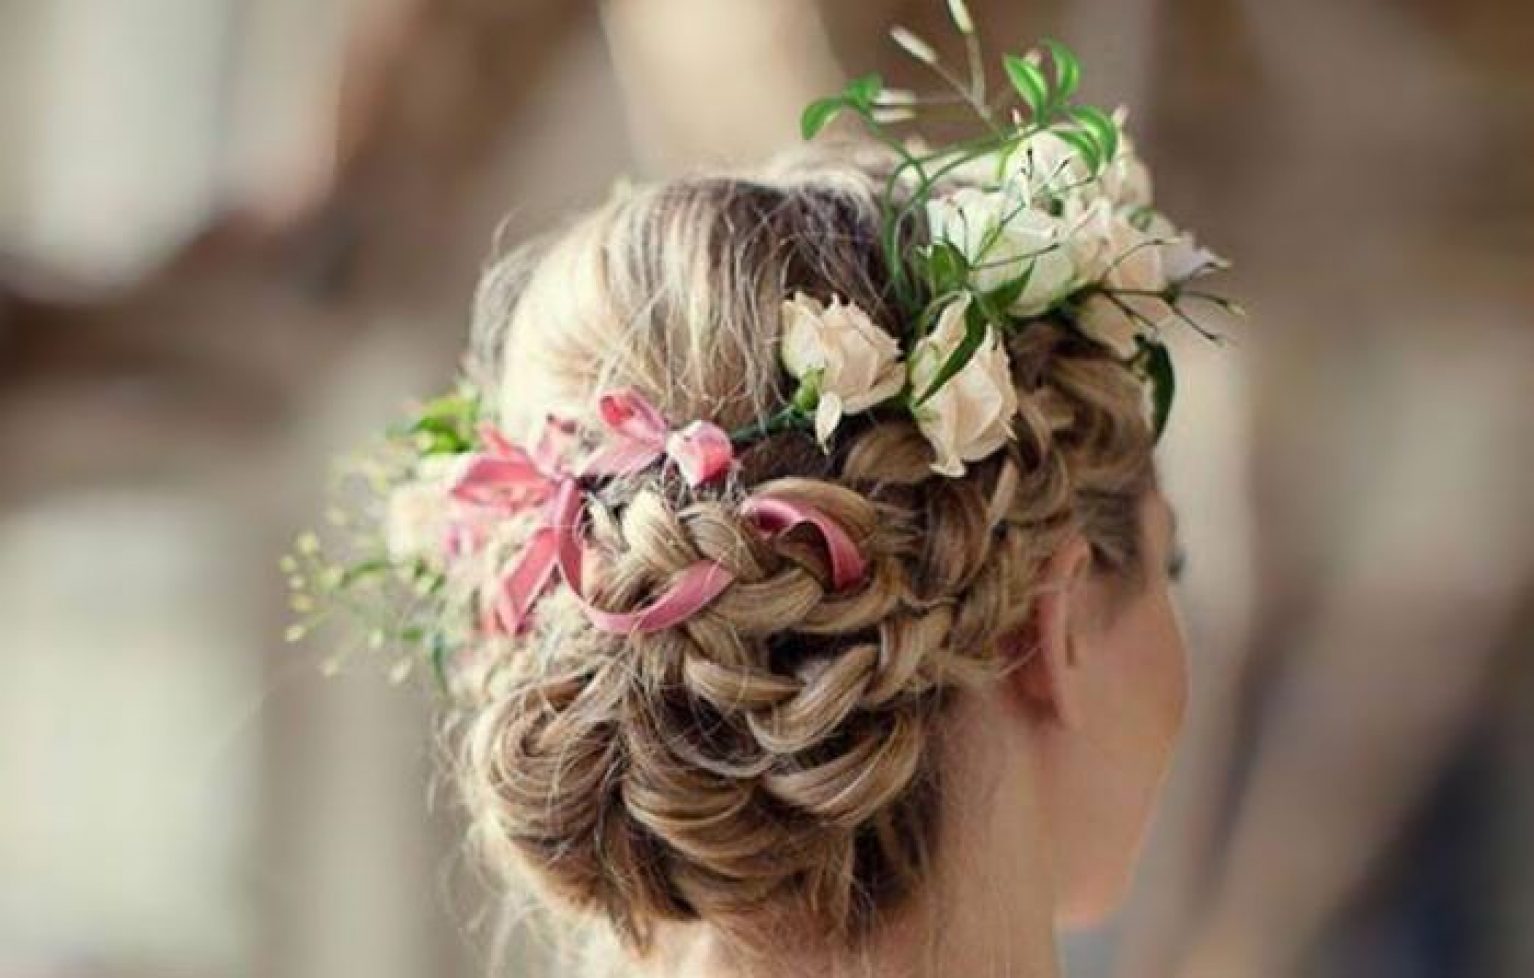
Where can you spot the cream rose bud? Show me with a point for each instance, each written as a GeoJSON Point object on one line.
{"type": "Point", "coordinates": [851, 361]}
{"type": "Point", "coordinates": [1110, 250]}
{"type": "Point", "coordinates": [1181, 257]}
{"type": "Point", "coordinates": [970, 416]}
{"type": "Point", "coordinates": [420, 512]}
{"type": "Point", "coordinates": [1001, 237]}
{"type": "Point", "coordinates": [1126, 181]}
{"type": "Point", "coordinates": [1105, 321]}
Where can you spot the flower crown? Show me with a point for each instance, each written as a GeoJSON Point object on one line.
{"type": "Point", "coordinates": [1046, 213]}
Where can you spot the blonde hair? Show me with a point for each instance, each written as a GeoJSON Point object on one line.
{"type": "Point", "coordinates": [770, 762]}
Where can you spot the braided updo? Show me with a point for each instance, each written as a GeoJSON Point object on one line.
{"type": "Point", "coordinates": [771, 761]}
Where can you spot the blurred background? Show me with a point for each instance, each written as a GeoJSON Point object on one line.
{"type": "Point", "coordinates": [235, 235]}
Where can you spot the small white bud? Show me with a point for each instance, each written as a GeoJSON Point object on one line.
{"type": "Point", "coordinates": [959, 11]}
{"type": "Point", "coordinates": [913, 45]}
{"type": "Point", "coordinates": [892, 114]}
{"type": "Point", "coordinates": [895, 96]}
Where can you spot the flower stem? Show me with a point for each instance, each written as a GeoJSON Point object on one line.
{"type": "Point", "coordinates": [789, 417]}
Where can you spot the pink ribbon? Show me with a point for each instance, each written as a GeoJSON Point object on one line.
{"type": "Point", "coordinates": [507, 479]}
{"type": "Point", "coordinates": [700, 583]}
{"type": "Point", "coordinates": [778, 515]}
{"type": "Point", "coordinates": [701, 449]}
{"type": "Point", "coordinates": [695, 587]}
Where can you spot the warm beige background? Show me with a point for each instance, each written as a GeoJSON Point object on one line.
{"type": "Point", "coordinates": [235, 234]}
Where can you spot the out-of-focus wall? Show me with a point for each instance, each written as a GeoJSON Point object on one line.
{"type": "Point", "coordinates": [118, 112]}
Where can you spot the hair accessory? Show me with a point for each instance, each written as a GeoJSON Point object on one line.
{"type": "Point", "coordinates": [701, 449]}
{"type": "Point", "coordinates": [1045, 213]}
{"type": "Point", "coordinates": [778, 515]}
{"type": "Point", "coordinates": [693, 589]}
{"type": "Point", "coordinates": [507, 479]}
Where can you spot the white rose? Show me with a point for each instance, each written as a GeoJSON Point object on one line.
{"type": "Point", "coordinates": [1048, 166]}
{"type": "Point", "coordinates": [1108, 249]}
{"type": "Point", "coordinates": [1002, 237]}
{"type": "Point", "coordinates": [420, 511]}
{"type": "Point", "coordinates": [837, 348]}
{"type": "Point", "coordinates": [1052, 167]}
{"type": "Point", "coordinates": [1135, 259]}
{"type": "Point", "coordinates": [970, 416]}
{"type": "Point", "coordinates": [1089, 229]}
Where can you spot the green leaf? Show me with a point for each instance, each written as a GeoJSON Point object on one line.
{"type": "Point", "coordinates": [1067, 70]}
{"type": "Point", "coordinates": [997, 301]}
{"type": "Point", "coordinates": [365, 568]}
{"type": "Point", "coordinates": [437, 441]}
{"type": "Point", "coordinates": [863, 90]}
{"type": "Point", "coordinates": [447, 427]}
{"type": "Point", "coordinates": [1083, 144]}
{"type": "Point", "coordinates": [807, 397]}
{"type": "Point", "coordinates": [1158, 367]}
{"type": "Point", "coordinates": [859, 96]}
{"type": "Point", "coordinates": [946, 267]}
{"type": "Point", "coordinates": [818, 114]}
{"type": "Point", "coordinates": [1102, 128]}
{"type": "Point", "coordinates": [445, 424]}
{"type": "Point", "coordinates": [1029, 82]}
{"type": "Point", "coordinates": [975, 325]}
{"type": "Point", "coordinates": [923, 322]}
{"type": "Point", "coordinates": [439, 651]}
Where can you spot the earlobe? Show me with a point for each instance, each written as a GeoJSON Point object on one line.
{"type": "Point", "coordinates": [1049, 675]}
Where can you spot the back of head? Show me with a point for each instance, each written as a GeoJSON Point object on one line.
{"type": "Point", "coordinates": [769, 765]}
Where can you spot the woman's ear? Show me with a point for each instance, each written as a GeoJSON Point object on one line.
{"type": "Point", "coordinates": [1049, 678]}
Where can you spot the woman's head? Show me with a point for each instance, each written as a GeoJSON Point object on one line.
{"type": "Point", "coordinates": [782, 763]}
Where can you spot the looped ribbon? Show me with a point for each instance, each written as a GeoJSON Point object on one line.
{"type": "Point", "coordinates": [509, 479]}
{"type": "Point", "coordinates": [776, 515]}
{"type": "Point", "coordinates": [639, 435]}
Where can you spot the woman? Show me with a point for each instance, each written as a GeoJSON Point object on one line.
{"type": "Point", "coordinates": [923, 788]}
{"type": "Point", "coordinates": [861, 658]}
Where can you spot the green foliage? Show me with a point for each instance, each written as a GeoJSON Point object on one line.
{"type": "Point", "coordinates": [1098, 126]}
{"type": "Point", "coordinates": [1028, 80]}
{"type": "Point", "coordinates": [1067, 69]}
{"type": "Point", "coordinates": [1163, 383]}
{"type": "Point", "coordinates": [945, 267]}
{"type": "Point", "coordinates": [858, 96]}
{"type": "Point", "coordinates": [445, 425]}
{"type": "Point", "coordinates": [975, 327]}
{"type": "Point", "coordinates": [345, 586]}
{"type": "Point", "coordinates": [925, 277]}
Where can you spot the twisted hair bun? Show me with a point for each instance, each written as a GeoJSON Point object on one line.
{"type": "Point", "coordinates": [773, 759]}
